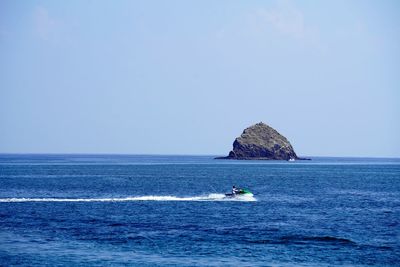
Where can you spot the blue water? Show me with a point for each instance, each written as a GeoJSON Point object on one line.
{"type": "Point", "coordinates": [118, 210]}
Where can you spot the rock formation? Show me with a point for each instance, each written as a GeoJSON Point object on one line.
{"type": "Point", "coordinates": [261, 141]}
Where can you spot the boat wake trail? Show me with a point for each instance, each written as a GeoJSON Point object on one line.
{"type": "Point", "coordinates": [210, 197]}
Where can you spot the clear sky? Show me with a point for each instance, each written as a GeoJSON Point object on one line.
{"type": "Point", "coordinates": [186, 77]}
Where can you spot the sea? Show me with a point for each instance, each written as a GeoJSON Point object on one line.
{"type": "Point", "coordinates": [158, 210]}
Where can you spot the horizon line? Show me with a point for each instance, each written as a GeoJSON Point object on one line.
{"type": "Point", "coordinates": [155, 154]}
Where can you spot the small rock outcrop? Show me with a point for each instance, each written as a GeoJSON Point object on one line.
{"type": "Point", "coordinates": [261, 141]}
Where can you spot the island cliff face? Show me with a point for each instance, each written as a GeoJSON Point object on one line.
{"type": "Point", "coordinates": [261, 141]}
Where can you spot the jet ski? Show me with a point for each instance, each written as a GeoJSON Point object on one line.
{"type": "Point", "coordinates": [240, 193]}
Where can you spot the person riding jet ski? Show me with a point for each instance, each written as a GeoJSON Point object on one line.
{"type": "Point", "coordinates": [238, 192]}
{"type": "Point", "coordinates": [235, 190]}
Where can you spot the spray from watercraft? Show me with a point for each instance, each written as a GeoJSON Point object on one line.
{"type": "Point", "coordinates": [210, 197]}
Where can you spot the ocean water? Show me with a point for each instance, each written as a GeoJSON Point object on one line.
{"type": "Point", "coordinates": [119, 210]}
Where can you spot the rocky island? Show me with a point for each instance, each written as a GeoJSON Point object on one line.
{"type": "Point", "coordinates": [261, 142]}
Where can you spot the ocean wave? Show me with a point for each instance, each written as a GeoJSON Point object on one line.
{"type": "Point", "coordinates": [210, 197]}
{"type": "Point", "coordinates": [297, 239]}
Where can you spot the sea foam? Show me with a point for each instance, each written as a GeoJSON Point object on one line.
{"type": "Point", "coordinates": [210, 197]}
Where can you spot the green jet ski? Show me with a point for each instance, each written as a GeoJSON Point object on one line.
{"type": "Point", "coordinates": [240, 193]}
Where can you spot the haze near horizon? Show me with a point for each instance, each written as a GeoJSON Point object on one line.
{"type": "Point", "coordinates": [186, 77]}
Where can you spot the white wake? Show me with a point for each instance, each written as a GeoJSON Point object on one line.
{"type": "Point", "coordinates": [210, 197]}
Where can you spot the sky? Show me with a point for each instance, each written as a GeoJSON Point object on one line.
{"type": "Point", "coordinates": [186, 77]}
